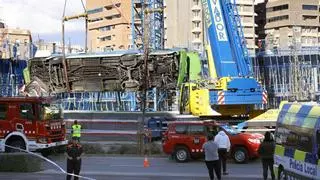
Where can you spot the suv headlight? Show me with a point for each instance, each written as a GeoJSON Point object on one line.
{"type": "Point", "coordinates": [254, 141]}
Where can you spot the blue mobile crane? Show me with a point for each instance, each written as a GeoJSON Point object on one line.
{"type": "Point", "coordinates": [231, 88]}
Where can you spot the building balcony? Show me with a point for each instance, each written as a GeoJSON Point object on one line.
{"type": "Point", "coordinates": [196, 8]}
{"type": "Point", "coordinates": [250, 35]}
{"type": "Point", "coordinates": [196, 41]}
{"type": "Point", "coordinates": [247, 13]}
{"type": "Point", "coordinates": [196, 19]}
{"type": "Point", "coordinates": [196, 30]}
{"type": "Point", "coordinates": [314, 34]}
{"type": "Point", "coordinates": [248, 24]}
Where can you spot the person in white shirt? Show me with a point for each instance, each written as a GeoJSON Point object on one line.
{"type": "Point", "coordinates": [223, 142]}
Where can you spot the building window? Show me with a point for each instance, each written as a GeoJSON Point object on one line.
{"type": "Point", "coordinates": [117, 16]}
{"type": "Point", "coordinates": [95, 20]}
{"type": "Point", "coordinates": [305, 17]}
{"type": "Point", "coordinates": [106, 38]}
{"type": "Point", "coordinates": [197, 35]}
{"type": "Point", "coordinates": [309, 7]}
{"type": "Point", "coordinates": [108, 7]}
{"type": "Point", "coordinates": [278, 18]}
{"type": "Point", "coordinates": [112, 17]}
{"type": "Point", "coordinates": [107, 49]}
{"type": "Point", "coordinates": [105, 28]}
{"type": "Point", "coordinates": [196, 2]}
{"type": "Point", "coordinates": [278, 8]}
{"type": "Point", "coordinates": [93, 11]}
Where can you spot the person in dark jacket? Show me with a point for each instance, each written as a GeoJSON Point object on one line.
{"type": "Point", "coordinates": [212, 157]}
{"type": "Point", "coordinates": [266, 152]}
{"type": "Point", "coordinates": [74, 153]}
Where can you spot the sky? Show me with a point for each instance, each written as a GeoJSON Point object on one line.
{"type": "Point", "coordinates": [43, 18]}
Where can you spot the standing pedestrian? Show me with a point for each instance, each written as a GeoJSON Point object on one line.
{"type": "Point", "coordinates": [74, 153]}
{"type": "Point", "coordinates": [212, 157]}
{"type": "Point", "coordinates": [266, 152]}
{"type": "Point", "coordinates": [76, 131]}
{"type": "Point", "coordinates": [223, 142]}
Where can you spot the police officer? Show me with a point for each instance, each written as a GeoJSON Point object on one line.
{"type": "Point", "coordinates": [76, 131]}
{"type": "Point", "coordinates": [74, 153]}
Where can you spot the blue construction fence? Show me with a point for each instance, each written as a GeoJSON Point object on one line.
{"type": "Point", "coordinates": [11, 76]}
{"type": "Point", "coordinates": [113, 101]}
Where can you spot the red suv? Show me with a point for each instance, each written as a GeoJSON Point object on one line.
{"type": "Point", "coordinates": [184, 139]}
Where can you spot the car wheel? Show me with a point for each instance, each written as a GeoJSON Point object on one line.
{"type": "Point", "coordinates": [240, 155]}
{"type": "Point", "coordinates": [282, 174]}
{"type": "Point", "coordinates": [181, 154]}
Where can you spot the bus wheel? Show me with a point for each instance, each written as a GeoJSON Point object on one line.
{"type": "Point", "coordinates": [282, 174]}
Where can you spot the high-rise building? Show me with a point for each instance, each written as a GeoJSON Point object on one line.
{"type": "Point", "coordinates": [184, 26]}
{"type": "Point", "coordinates": [292, 25]}
{"type": "Point", "coordinates": [109, 25]}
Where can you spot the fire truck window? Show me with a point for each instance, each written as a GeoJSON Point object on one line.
{"type": "Point", "coordinates": [26, 111]}
{"type": "Point", "coordinates": [181, 129]}
{"type": "Point", "coordinates": [3, 111]}
{"type": "Point", "coordinates": [196, 129]}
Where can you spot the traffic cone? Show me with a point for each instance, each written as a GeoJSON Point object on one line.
{"type": "Point", "coordinates": [146, 162]}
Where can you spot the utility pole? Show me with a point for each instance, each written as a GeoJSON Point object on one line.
{"type": "Point", "coordinates": [64, 19]}
{"type": "Point", "coordinates": [146, 48]}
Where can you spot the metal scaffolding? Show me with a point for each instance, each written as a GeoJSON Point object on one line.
{"type": "Point", "coordinates": [114, 101]}
{"type": "Point", "coordinates": [11, 76]}
{"type": "Point", "coordinates": [153, 9]}
{"type": "Point", "coordinates": [289, 77]}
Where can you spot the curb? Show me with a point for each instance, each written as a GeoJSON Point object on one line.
{"type": "Point", "coordinates": [146, 174]}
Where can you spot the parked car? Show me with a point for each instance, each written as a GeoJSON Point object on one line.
{"type": "Point", "coordinates": [184, 139]}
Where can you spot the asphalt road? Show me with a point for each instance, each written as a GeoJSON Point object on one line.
{"type": "Point", "coordinates": [131, 168]}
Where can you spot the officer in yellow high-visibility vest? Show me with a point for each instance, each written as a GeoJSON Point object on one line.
{"type": "Point", "coordinates": [76, 131]}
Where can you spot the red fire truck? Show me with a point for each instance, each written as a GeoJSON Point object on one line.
{"type": "Point", "coordinates": [30, 123]}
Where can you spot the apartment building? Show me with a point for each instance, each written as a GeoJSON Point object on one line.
{"type": "Point", "coordinates": [15, 42]}
{"type": "Point", "coordinates": [109, 25]}
{"type": "Point", "coordinates": [184, 26]}
{"type": "Point", "coordinates": [292, 25]}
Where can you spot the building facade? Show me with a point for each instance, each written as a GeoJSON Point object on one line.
{"type": "Point", "coordinates": [109, 25]}
{"type": "Point", "coordinates": [56, 47]}
{"type": "Point", "coordinates": [292, 25]}
{"type": "Point", "coordinates": [15, 43]}
{"type": "Point", "coordinates": [184, 26]}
